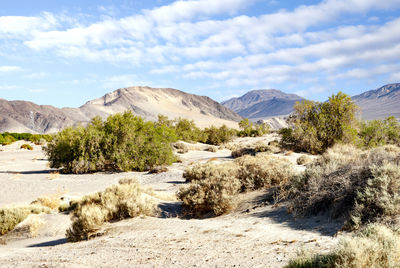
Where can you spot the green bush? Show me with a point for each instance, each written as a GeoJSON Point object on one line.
{"type": "Point", "coordinates": [318, 126]}
{"type": "Point", "coordinates": [26, 146]}
{"type": "Point", "coordinates": [380, 132]}
{"type": "Point", "coordinates": [217, 136]}
{"type": "Point", "coordinates": [122, 143]}
{"type": "Point", "coordinates": [6, 139]}
{"type": "Point", "coordinates": [248, 129]}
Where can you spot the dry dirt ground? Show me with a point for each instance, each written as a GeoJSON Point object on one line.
{"type": "Point", "coordinates": [257, 234]}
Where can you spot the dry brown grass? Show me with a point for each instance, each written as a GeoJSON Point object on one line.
{"type": "Point", "coordinates": [263, 171]}
{"type": "Point", "coordinates": [357, 186]}
{"type": "Point", "coordinates": [376, 246]}
{"type": "Point", "coordinates": [125, 200]}
{"type": "Point", "coordinates": [51, 201]}
{"type": "Point", "coordinates": [53, 175]}
{"type": "Point", "coordinates": [11, 216]}
{"type": "Point", "coordinates": [214, 187]}
{"type": "Point", "coordinates": [304, 160]}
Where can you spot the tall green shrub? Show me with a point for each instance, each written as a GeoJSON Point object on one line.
{"type": "Point", "coordinates": [123, 142]}
{"type": "Point", "coordinates": [318, 126]}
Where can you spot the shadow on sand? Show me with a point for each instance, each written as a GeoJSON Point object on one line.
{"type": "Point", "coordinates": [31, 172]}
{"type": "Point", "coordinates": [49, 243]}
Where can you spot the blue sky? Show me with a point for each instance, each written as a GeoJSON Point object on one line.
{"type": "Point", "coordinates": [67, 52]}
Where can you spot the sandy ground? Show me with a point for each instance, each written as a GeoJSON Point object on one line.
{"type": "Point", "coordinates": [257, 234]}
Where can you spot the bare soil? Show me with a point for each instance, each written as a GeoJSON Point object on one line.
{"type": "Point", "coordinates": [257, 234]}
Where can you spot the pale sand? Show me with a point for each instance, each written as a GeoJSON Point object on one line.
{"type": "Point", "coordinates": [255, 235]}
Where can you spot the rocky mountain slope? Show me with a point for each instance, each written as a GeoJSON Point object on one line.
{"type": "Point", "coordinates": [380, 103]}
{"type": "Point", "coordinates": [23, 116]}
{"type": "Point", "coordinates": [258, 104]}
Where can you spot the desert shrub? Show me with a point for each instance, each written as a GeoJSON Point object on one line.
{"type": "Point", "coordinates": [213, 187]}
{"type": "Point", "coordinates": [210, 169]}
{"type": "Point", "coordinates": [374, 246]}
{"type": "Point", "coordinates": [212, 149]}
{"type": "Point", "coordinates": [26, 146]}
{"type": "Point", "coordinates": [380, 132]}
{"type": "Point", "coordinates": [263, 171]}
{"type": "Point", "coordinates": [253, 149]}
{"type": "Point", "coordinates": [241, 151]}
{"type": "Point", "coordinates": [158, 169]}
{"type": "Point", "coordinates": [357, 186]}
{"type": "Point", "coordinates": [181, 147]}
{"type": "Point", "coordinates": [187, 130]}
{"type": "Point", "coordinates": [125, 200]}
{"type": "Point", "coordinates": [6, 139]}
{"type": "Point", "coordinates": [123, 142]}
{"type": "Point", "coordinates": [210, 194]}
{"type": "Point", "coordinates": [303, 160]}
{"type": "Point", "coordinates": [10, 217]}
{"type": "Point", "coordinates": [248, 129]}
{"type": "Point", "coordinates": [217, 136]}
{"type": "Point", "coordinates": [318, 126]}
{"type": "Point", "coordinates": [40, 139]}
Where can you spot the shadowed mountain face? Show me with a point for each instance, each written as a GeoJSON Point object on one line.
{"type": "Point", "coordinates": [263, 103]}
{"type": "Point", "coordinates": [23, 116]}
{"type": "Point", "coordinates": [380, 103]}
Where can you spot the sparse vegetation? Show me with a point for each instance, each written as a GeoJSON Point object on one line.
{"type": "Point", "coordinates": [213, 187]}
{"type": "Point", "coordinates": [26, 146]}
{"type": "Point", "coordinates": [303, 160]}
{"type": "Point", "coordinates": [248, 129]}
{"type": "Point", "coordinates": [123, 142]}
{"type": "Point", "coordinates": [358, 186]}
{"type": "Point", "coordinates": [125, 200]}
{"type": "Point", "coordinates": [10, 217]}
{"type": "Point", "coordinates": [253, 149]}
{"type": "Point", "coordinates": [39, 139]}
{"type": "Point", "coordinates": [375, 246]}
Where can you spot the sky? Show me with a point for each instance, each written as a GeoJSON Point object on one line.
{"type": "Point", "coordinates": [67, 52]}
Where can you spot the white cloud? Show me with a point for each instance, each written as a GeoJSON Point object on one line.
{"type": "Point", "coordinates": [4, 69]}
{"type": "Point", "coordinates": [8, 87]}
{"type": "Point", "coordinates": [22, 27]}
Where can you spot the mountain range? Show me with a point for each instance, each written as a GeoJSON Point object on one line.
{"type": "Point", "coordinates": [379, 103]}
{"type": "Point", "coordinates": [270, 105]}
{"type": "Point", "coordinates": [264, 103]}
{"type": "Point", "coordinates": [24, 116]}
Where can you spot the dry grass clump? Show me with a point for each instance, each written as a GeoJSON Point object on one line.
{"type": "Point", "coordinates": [180, 147]}
{"type": "Point", "coordinates": [357, 186]}
{"type": "Point", "coordinates": [214, 194]}
{"type": "Point", "coordinates": [263, 170]}
{"type": "Point", "coordinates": [158, 169]}
{"type": "Point", "coordinates": [253, 149]}
{"type": "Point", "coordinates": [10, 217]}
{"type": "Point", "coordinates": [26, 146]}
{"type": "Point", "coordinates": [125, 200]}
{"type": "Point", "coordinates": [212, 149]}
{"type": "Point", "coordinates": [210, 169]}
{"type": "Point", "coordinates": [303, 160]}
{"type": "Point", "coordinates": [214, 187]}
{"type": "Point", "coordinates": [51, 201]}
{"type": "Point", "coordinates": [375, 246]}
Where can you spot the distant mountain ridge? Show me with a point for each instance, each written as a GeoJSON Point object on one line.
{"type": "Point", "coordinates": [263, 103]}
{"type": "Point", "coordinates": [24, 116]}
{"type": "Point", "coordinates": [380, 103]}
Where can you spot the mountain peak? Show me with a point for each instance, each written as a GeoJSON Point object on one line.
{"type": "Point", "coordinates": [263, 103]}
{"type": "Point", "coordinates": [380, 103]}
